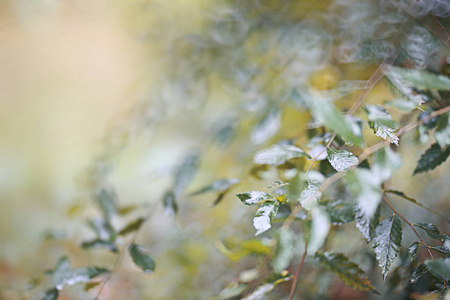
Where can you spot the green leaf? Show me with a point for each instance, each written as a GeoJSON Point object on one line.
{"type": "Point", "coordinates": [441, 250]}
{"type": "Point", "coordinates": [432, 158]}
{"type": "Point", "coordinates": [51, 294]}
{"type": "Point", "coordinates": [185, 173]}
{"type": "Point", "coordinates": [250, 198]}
{"type": "Point", "coordinates": [103, 229]}
{"type": "Point", "coordinates": [413, 250]}
{"type": "Point", "coordinates": [141, 258]}
{"type": "Point", "coordinates": [387, 242]}
{"type": "Point", "coordinates": [310, 196]}
{"type": "Point", "coordinates": [341, 160]}
{"type": "Point", "coordinates": [267, 127]}
{"type": "Point", "coordinates": [442, 133]}
{"type": "Point", "coordinates": [403, 105]}
{"type": "Point", "coordinates": [345, 127]}
{"type": "Point", "coordinates": [347, 271]}
{"type": "Point", "coordinates": [340, 212]}
{"type": "Point", "coordinates": [422, 269]}
{"type": "Point", "coordinates": [99, 244]}
{"type": "Point", "coordinates": [284, 252]}
{"type": "Point", "coordinates": [170, 204]}
{"type": "Point", "coordinates": [264, 215]}
{"type": "Point", "coordinates": [217, 186]}
{"type": "Point", "coordinates": [365, 185]}
{"type": "Point", "coordinates": [90, 285]}
{"type": "Point", "coordinates": [133, 226]}
{"type": "Point", "coordinates": [367, 225]}
{"type": "Point", "coordinates": [107, 202]}
{"type": "Point", "coordinates": [379, 115]}
{"type": "Point", "coordinates": [422, 79]}
{"type": "Point", "coordinates": [384, 132]}
{"type": "Point", "coordinates": [64, 275]}
{"type": "Point", "coordinates": [400, 87]}
{"type": "Point", "coordinates": [320, 226]}
{"type": "Point", "coordinates": [278, 154]}
{"type": "Point", "coordinates": [439, 267]}
{"type": "Point", "coordinates": [432, 231]}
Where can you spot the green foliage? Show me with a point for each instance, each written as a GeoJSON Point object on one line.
{"type": "Point", "coordinates": [387, 242]}
{"type": "Point", "coordinates": [341, 160]}
{"type": "Point", "coordinates": [278, 154]}
{"type": "Point", "coordinates": [264, 215]}
{"type": "Point", "coordinates": [141, 258]}
{"type": "Point", "coordinates": [347, 271]}
{"type": "Point", "coordinates": [432, 158]}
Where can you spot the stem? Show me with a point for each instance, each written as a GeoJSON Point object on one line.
{"type": "Point", "coordinates": [407, 222]}
{"type": "Point", "coordinates": [295, 279]}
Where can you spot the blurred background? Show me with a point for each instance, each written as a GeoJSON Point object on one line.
{"type": "Point", "coordinates": [114, 93]}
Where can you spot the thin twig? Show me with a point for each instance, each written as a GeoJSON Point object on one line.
{"type": "Point", "coordinates": [295, 278]}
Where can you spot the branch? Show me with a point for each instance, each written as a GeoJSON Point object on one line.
{"type": "Point", "coordinates": [295, 278]}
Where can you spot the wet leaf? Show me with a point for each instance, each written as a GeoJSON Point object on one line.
{"type": "Point", "coordinates": [341, 160]}
{"type": "Point", "coordinates": [310, 196]}
{"type": "Point", "coordinates": [422, 79]}
{"type": "Point", "coordinates": [439, 267]}
{"type": "Point", "coordinates": [320, 226]}
{"type": "Point", "coordinates": [367, 225]}
{"type": "Point", "coordinates": [250, 198]}
{"type": "Point", "coordinates": [413, 250]}
{"type": "Point", "coordinates": [278, 154]}
{"type": "Point", "coordinates": [442, 133]}
{"type": "Point", "coordinates": [284, 252]}
{"type": "Point", "coordinates": [432, 231]}
{"type": "Point", "coordinates": [422, 269]}
{"type": "Point", "coordinates": [432, 158]}
{"type": "Point", "coordinates": [340, 212]}
{"type": "Point", "coordinates": [263, 217]}
{"type": "Point", "coordinates": [133, 226]}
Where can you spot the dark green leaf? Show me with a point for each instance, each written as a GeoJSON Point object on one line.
{"type": "Point", "coordinates": [51, 294]}
{"type": "Point", "coordinates": [439, 267]}
{"type": "Point", "coordinates": [133, 226]}
{"type": "Point", "coordinates": [170, 204]}
{"type": "Point", "coordinates": [340, 212]}
{"type": "Point", "coordinates": [441, 250]}
{"type": "Point", "coordinates": [432, 158]}
{"type": "Point", "coordinates": [432, 231]}
{"type": "Point", "coordinates": [103, 229]}
{"type": "Point", "coordinates": [278, 154]}
{"type": "Point", "coordinates": [217, 186]}
{"type": "Point", "coordinates": [107, 202]}
{"type": "Point", "coordinates": [141, 258]}
{"type": "Point", "coordinates": [422, 269]}
{"type": "Point", "coordinates": [387, 242]}
{"type": "Point", "coordinates": [185, 173]}
{"type": "Point", "coordinates": [413, 250]}
{"type": "Point", "coordinates": [367, 225]}
{"type": "Point", "coordinates": [264, 215]}
{"type": "Point", "coordinates": [347, 271]}
{"type": "Point", "coordinates": [341, 160]}
{"type": "Point", "coordinates": [249, 198]}
{"type": "Point", "coordinates": [90, 285]}
{"type": "Point", "coordinates": [100, 244]}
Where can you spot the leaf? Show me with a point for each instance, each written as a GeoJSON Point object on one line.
{"type": "Point", "coordinates": [432, 158]}
{"type": "Point", "coordinates": [100, 244]}
{"type": "Point", "coordinates": [413, 250]}
{"type": "Point", "coordinates": [107, 202]}
{"type": "Point", "coordinates": [347, 271]}
{"type": "Point", "coordinates": [340, 212]}
{"type": "Point", "coordinates": [141, 258]}
{"type": "Point", "coordinates": [365, 185]}
{"type": "Point", "coordinates": [345, 127]}
{"type": "Point", "coordinates": [103, 229]}
{"type": "Point", "coordinates": [217, 186]}
{"type": "Point", "coordinates": [320, 226]}
{"type": "Point", "coordinates": [284, 252]}
{"type": "Point", "coordinates": [422, 79]}
{"type": "Point", "coordinates": [385, 163]}
{"type": "Point", "coordinates": [441, 250]}
{"type": "Point", "coordinates": [250, 198]}
{"type": "Point", "coordinates": [185, 173]}
{"type": "Point", "coordinates": [310, 196]}
{"type": "Point", "coordinates": [90, 285]}
{"type": "Point", "coordinates": [170, 204]}
{"type": "Point", "coordinates": [278, 154]}
{"type": "Point", "coordinates": [367, 225]}
{"type": "Point", "coordinates": [422, 269]}
{"type": "Point", "coordinates": [432, 231]}
{"type": "Point", "coordinates": [232, 291]}
{"type": "Point", "coordinates": [263, 217]}
{"type": "Point", "coordinates": [266, 128]}
{"type": "Point", "coordinates": [341, 160]}
{"type": "Point", "coordinates": [400, 87]}
{"type": "Point", "coordinates": [442, 133]}
{"type": "Point", "coordinates": [133, 226]}
{"type": "Point", "coordinates": [403, 105]}
{"type": "Point", "coordinates": [51, 294]}
{"type": "Point", "coordinates": [439, 267]}
{"type": "Point", "coordinates": [384, 132]}
{"type": "Point", "coordinates": [266, 288]}
{"type": "Point", "coordinates": [64, 275]}
{"type": "Point", "coordinates": [387, 242]}
{"type": "Point", "coordinates": [379, 115]}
